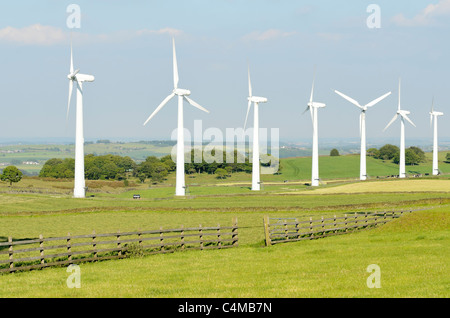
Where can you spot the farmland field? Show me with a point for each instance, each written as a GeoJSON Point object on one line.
{"type": "Point", "coordinates": [412, 252]}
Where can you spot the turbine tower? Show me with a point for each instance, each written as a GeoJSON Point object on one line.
{"type": "Point", "coordinates": [434, 115]}
{"type": "Point", "coordinates": [182, 94]}
{"type": "Point", "coordinates": [256, 181]}
{"type": "Point", "coordinates": [313, 109]}
{"type": "Point", "coordinates": [362, 129]}
{"type": "Point", "coordinates": [403, 116]}
{"type": "Point", "coordinates": [75, 77]}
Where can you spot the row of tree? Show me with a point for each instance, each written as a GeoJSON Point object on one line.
{"type": "Point", "coordinates": [413, 155]}
{"type": "Point", "coordinates": [114, 167]}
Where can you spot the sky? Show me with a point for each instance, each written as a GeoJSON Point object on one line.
{"type": "Point", "coordinates": [127, 46]}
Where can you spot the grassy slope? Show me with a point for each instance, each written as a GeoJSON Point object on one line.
{"type": "Point", "coordinates": [412, 252]}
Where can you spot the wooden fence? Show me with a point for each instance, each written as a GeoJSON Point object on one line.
{"type": "Point", "coordinates": [293, 229]}
{"type": "Point", "coordinates": [28, 254]}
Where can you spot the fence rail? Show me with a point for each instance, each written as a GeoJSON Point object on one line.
{"type": "Point", "coordinates": [28, 254]}
{"type": "Point", "coordinates": [291, 229]}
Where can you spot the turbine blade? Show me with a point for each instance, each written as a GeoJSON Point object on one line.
{"type": "Point", "coordinates": [70, 97]}
{"type": "Point", "coordinates": [351, 100]}
{"type": "Point", "coordinates": [409, 120]}
{"type": "Point", "coordinates": [307, 108]}
{"type": "Point", "coordinates": [250, 93]}
{"type": "Point", "coordinates": [379, 99]}
{"type": "Point", "coordinates": [248, 111]}
{"type": "Point", "coordinates": [164, 102]}
{"type": "Point", "coordinates": [193, 103]}
{"type": "Point", "coordinates": [431, 120]}
{"type": "Point", "coordinates": [175, 66]}
{"type": "Point", "coordinates": [432, 105]}
{"type": "Point", "coordinates": [312, 89]}
{"type": "Point", "coordinates": [390, 123]}
{"type": "Point", "coordinates": [71, 55]}
{"type": "Point", "coordinates": [399, 92]}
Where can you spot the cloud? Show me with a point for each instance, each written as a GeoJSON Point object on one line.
{"type": "Point", "coordinates": [38, 34]}
{"type": "Point", "coordinates": [33, 35]}
{"type": "Point", "coordinates": [271, 34]}
{"type": "Point", "coordinates": [426, 17]}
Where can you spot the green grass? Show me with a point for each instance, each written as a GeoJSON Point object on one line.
{"type": "Point", "coordinates": [413, 260]}
{"type": "Point", "coordinates": [413, 252]}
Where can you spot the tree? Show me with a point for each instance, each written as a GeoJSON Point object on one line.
{"type": "Point", "coordinates": [221, 173]}
{"type": "Point", "coordinates": [411, 157]}
{"type": "Point", "coordinates": [447, 157]}
{"type": "Point", "coordinates": [373, 152]}
{"type": "Point", "coordinates": [334, 153]}
{"type": "Point", "coordinates": [419, 152]}
{"type": "Point", "coordinates": [11, 174]}
{"type": "Point", "coordinates": [387, 152]}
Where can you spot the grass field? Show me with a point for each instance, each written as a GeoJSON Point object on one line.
{"type": "Point", "coordinates": [412, 252]}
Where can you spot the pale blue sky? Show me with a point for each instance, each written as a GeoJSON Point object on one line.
{"type": "Point", "coordinates": [127, 46]}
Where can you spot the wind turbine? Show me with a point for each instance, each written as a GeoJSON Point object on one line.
{"type": "Point", "coordinates": [75, 77]}
{"type": "Point", "coordinates": [182, 94]}
{"type": "Point", "coordinates": [362, 128]}
{"type": "Point", "coordinates": [434, 115]}
{"type": "Point", "coordinates": [313, 107]}
{"type": "Point", "coordinates": [256, 182]}
{"type": "Point", "coordinates": [403, 116]}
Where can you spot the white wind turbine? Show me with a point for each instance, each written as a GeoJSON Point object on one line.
{"type": "Point", "coordinates": [403, 116]}
{"type": "Point", "coordinates": [256, 182]}
{"type": "Point", "coordinates": [362, 128]}
{"type": "Point", "coordinates": [181, 93]}
{"type": "Point", "coordinates": [434, 115]}
{"type": "Point", "coordinates": [313, 107]}
{"type": "Point", "coordinates": [76, 78]}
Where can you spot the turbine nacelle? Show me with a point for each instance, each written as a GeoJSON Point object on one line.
{"type": "Point", "coordinates": [256, 99]}
{"type": "Point", "coordinates": [84, 78]}
{"type": "Point", "coordinates": [316, 104]}
{"type": "Point", "coordinates": [436, 113]}
{"type": "Point", "coordinates": [181, 92]}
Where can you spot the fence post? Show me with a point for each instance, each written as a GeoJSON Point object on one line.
{"type": "Point", "coordinates": [140, 238]}
{"type": "Point", "coordinates": [182, 237]}
{"type": "Point", "coordinates": [335, 225]}
{"type": "Point", "coordinates": [10, 253]}
{"type": "Point", "coordinates": [345, 223]}
{"type": "Point", "coordinates": [311, 228]}
{"type": "Point", "coordinates": [219, 237]}
{"type": "Point", "coordinates": [286, 231]}
{"type": "Point", "coordinates": [200, 230]}
{"type": "Point", "coordinates": [94, 244]}
{"type": "Point", "coordinates": [161, 239]}
{"type": "Point", "coordinates": [323, 227]}
{"type": "Point", "coordinates": [266, 231]}
{"type": "Point", "coordinates": [69, 248]}
{"type": "Point", "coordinates": [296, 228]}
{"type": "Point", "coordinates": [41, 248]}
{"type": "Point", "coordinates": [119, 246]}
{"type": "Point", "coordinates": [356, 221]}
{"type": "Point", "coordinates": [234, 232]}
